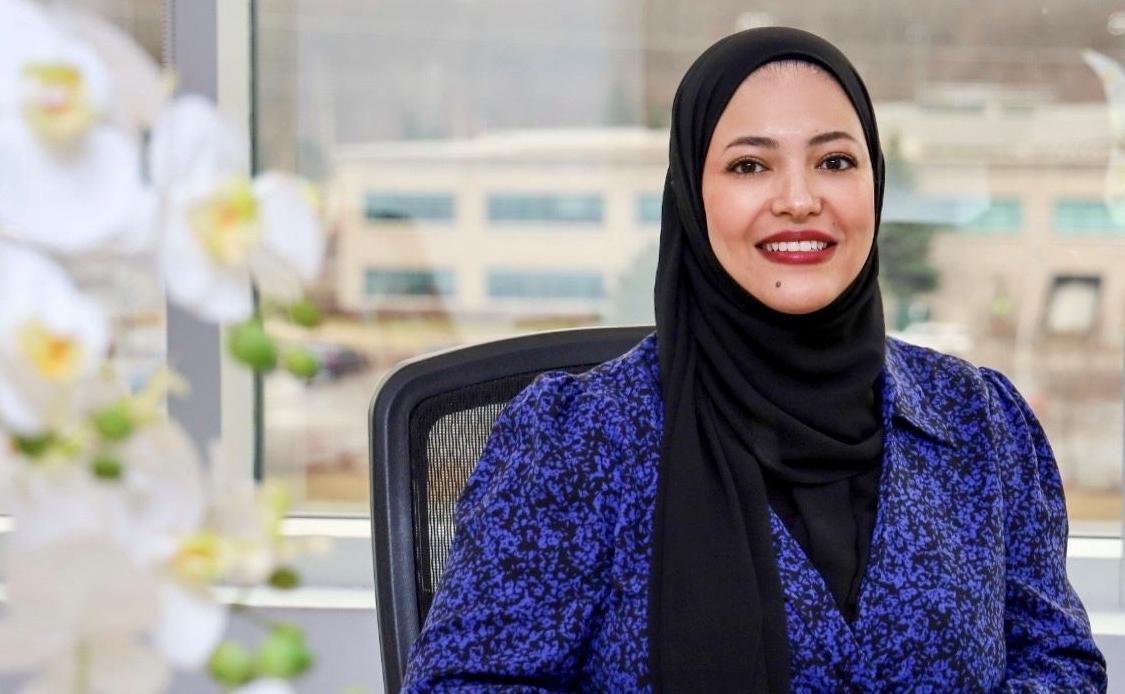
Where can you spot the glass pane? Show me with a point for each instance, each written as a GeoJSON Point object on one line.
{"type": "Point", "coordinates": [496, 166]}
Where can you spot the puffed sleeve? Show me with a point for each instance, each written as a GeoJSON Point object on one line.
{"type": "Point", "coordinates": [1049, 642]}
{"type": "Point", "coordinates": [530, 562]}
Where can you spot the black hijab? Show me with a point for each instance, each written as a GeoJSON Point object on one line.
{"type": "Point", "coordinates": [752, 398]}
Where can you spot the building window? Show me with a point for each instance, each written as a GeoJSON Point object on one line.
{"type": "Point", "coordinates": [1072, 306]}
{"type": "Point", "coordinates": [422, 282]}
{"type": "Point", "coordinates": [648, 208]}
{"type": "Point", "coordinates": [560, 208]}
{"type": "Point", "coordinates": [1082, 217]}
{"type": "Point", "coordinates": [506, 284]}
{"type": "Point", "coordinates": [423, 207]}
{"type": "Point", "coordinates": [1001, 216]}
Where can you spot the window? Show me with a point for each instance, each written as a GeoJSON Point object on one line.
{"type": "Point", "coordinates": [1000, 217]}
{"type": "Point", "coordinates": [649, 206]}
{"type": "Point", "coordinates": [491, 117]}
{"type": "Point", "coordinates": [425, 282]}
{"type": "Point", "coordinates": [545, 285]}
{"type": "Point", "coordinates": [1085, 217]}
{"type": "Point", "coordinates": [1072, 306]}
{"type": "Point", "coordinates": [409, 206]}
{"type": "Point", "coordinates": [567, 209]}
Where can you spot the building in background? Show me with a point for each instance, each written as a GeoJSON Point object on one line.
{"type": "Point", "coordinates": [496, 166]}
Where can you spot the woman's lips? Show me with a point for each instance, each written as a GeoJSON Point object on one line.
{"type": "Point", "coordinates": [797, 247]}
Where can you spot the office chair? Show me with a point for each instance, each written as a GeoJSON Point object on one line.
{"type": "Point", "coordinates": [429, 420]}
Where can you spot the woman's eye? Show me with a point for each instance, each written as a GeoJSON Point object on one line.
{"type": "Point", "coordinates": [746, 166]}
{"type": "Point", "coordinates": [838, 162]}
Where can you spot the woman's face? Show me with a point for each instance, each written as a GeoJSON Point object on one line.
{"type": "Point", "coordinates": [788, 188]}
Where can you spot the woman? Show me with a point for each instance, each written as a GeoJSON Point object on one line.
{"type": "Point", "coordinates": [766, 495]}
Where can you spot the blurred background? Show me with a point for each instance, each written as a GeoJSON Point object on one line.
{"type": "Point", "coordinates": [495, 166]}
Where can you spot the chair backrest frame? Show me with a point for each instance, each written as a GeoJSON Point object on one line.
{"type": "Point", "coordinates": [390, 412]}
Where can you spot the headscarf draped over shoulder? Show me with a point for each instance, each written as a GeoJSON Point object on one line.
{"type": "Point", "coordinates": [752, 398]}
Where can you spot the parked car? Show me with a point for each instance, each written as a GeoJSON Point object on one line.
{"type": "Point", "coordinates": [337, 361]}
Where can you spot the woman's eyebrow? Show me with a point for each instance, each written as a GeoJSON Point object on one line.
{"type": "Point", "coordinates": [830, 136]}
{"type": "Point", "coordinates": [770, 143]}
{"type": "Point", "coordinates": [753, 141]}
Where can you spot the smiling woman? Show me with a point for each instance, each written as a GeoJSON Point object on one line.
{"type": "Point", "coordinates": [788, 188]}
{"type": "Point", "coordinates": [743, 501]}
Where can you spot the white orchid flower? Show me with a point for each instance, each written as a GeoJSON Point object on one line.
{"type": "Point", "coordinates": [163, 491]}
{"type": "Point", "coordinates": [140, 87]}
{"type": "Point", "coordinates": [163, 503]}
{"type": "Point", "coordinates": [222, 229]}
{"type": "Point", "coordinates": [190, 626]}
{"type": "Point", "coordinates": [51, 337]}
{"type": "Point", "coordinates": [150, 512]}
{"type": "Point", "coordinates": [80, 607]}
{"type": "Point", "coordinates": [69, 175]}
{"type": "Point", "coordinates": [244, 523]}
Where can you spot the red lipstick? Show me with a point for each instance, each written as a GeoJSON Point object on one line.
{"type": "Point", "coordinates": [797, 247]}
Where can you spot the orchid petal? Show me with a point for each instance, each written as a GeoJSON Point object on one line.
{"type": "Point", "coordinates": [194, 282]}
{"type": "Point", "coordinates": [121, 665]}
{"type": "Point", "coordinates": [89, 584]}
{"type": "Point", "coordinates": [37, 295]}
{"type": "Point", "coordinates": [56, 504]}
{"type": "Point", "coordinates": [192, 145]}
{"type": "Point", "coordinates": [189, 628]}
{"type": "Point", "coordinates": [275, 277]}
{"type": "Point", "coordinates": [25, 643]}
{"type": "Point", "coordinates": [139, 233]}
{"type": "Point", "coordinates": [290, 225]}
{"type": "Point", "coordinates": [183, 264]}
{"type": "Point", "coordinates": [72, 201]}
{"type": "Point", "coordinates": [16, 413]}
{"type": "Point", "coordinates": [165, 485]}
{"type": "Point", "coordinates": [26, 33]}
{"type": "Point", "coordinates": [140, 88]}
{"type": "Point", "coordinates": [117, 665]}
{"type": "Point", "coordinates": [230, 299]}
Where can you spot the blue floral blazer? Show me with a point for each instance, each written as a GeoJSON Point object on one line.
{"type": "Point", "coordinates": [966, 590]}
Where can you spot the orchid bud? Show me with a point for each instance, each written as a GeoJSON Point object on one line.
{"type": "Point", "coordinates": [301, 363]}
{"type": "Point", "coordinates": [115, 422]}
{"type": "Point", "coordinates": [283, 653]}
{"type": "Point", "coordinates": [231, 664]}
{"type": "Point", "coordinates": [250, 344]}
{"type": "Point", "coordinates": [107, 467]}
{"type": "Point", "coordinates": [305, 313]}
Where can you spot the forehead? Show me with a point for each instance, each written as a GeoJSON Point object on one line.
{"type": "Point", "coordinates": [789, 93]}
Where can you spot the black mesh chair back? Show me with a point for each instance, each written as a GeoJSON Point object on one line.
{"type": "Point", "coordinates": [429, 420]}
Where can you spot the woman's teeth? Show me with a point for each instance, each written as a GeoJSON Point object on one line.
{"type": "Point", "coordinates": [796, 246]}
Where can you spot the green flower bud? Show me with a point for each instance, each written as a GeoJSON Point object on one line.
{"type": "Point", "coordinates": [283, 653]}
{"type": "Point", "coordinates": [285, 578]}
{"type": "Point", "coordinates": [114, 422]}
{"type": "Point", "coordinates": [250, 344]}
{"type": "Point", "coordinates": [301, 363]}
{"type": "Point", "coordinates": [107, 467]}
{"type": "Point", "coordinates": [231, 664]}
{"type": "Point", "coordinates": [33, 446]}
{"type": "Point", "coordinates": [305, 313]}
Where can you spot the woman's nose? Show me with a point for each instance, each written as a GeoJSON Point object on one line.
{"type": "Point", "coordinates": [796, 196]}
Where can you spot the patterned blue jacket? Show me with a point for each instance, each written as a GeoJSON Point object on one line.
{"type": "Point", "coordinates": [966, 591]}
